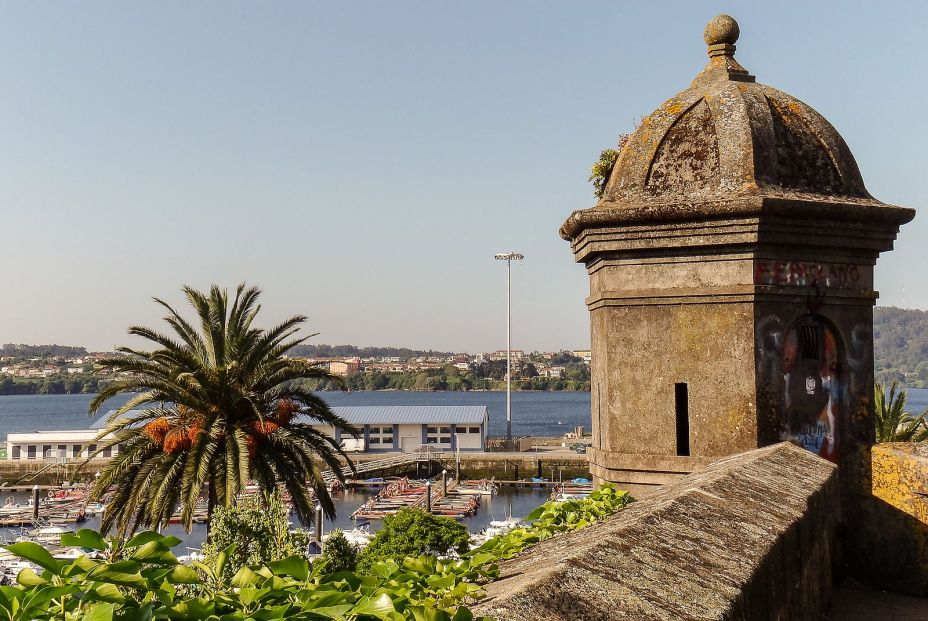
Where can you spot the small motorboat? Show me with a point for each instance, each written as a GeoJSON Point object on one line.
{"type": "Point", "coordinates": [50, 534]}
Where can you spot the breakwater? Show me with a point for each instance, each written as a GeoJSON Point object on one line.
{"type": "Point", "coordinates": [504, 466]}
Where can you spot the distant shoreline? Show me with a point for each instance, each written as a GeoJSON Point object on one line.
{"type": "Point", "coordinates": [65, 394]}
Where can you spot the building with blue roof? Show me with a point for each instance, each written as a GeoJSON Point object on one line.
{"type": "Point", "coordinates": [405, 428]}
{"type": "Point", "coordinates": [381, 428]}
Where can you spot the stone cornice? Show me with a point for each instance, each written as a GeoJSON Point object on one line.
{"type": "Point", "coordinates": [794, 209]}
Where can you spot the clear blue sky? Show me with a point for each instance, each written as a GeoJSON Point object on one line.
{"type": "Point", "coordinates": [362, 162]}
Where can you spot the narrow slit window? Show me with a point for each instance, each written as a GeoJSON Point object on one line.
{"type": "Point", "coordinates": [682, 398]}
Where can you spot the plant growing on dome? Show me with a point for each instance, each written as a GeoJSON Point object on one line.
{"type": "Point", "coordinates": [602, 169]}
{"type": "Point", "coordinates": [212, 409]}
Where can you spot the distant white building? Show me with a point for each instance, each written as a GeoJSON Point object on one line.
{"type": "Point", "coordinates": [406, 428]}
{"type": "Point", "coordinates": [382, 428]}
{"type": "Point", "coordinates": [585, 354]}
{"type": "Point", "coordinates": [50, 445]}
{"type": "Point", "coordinates": [516, 355]}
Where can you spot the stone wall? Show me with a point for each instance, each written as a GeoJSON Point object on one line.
{"type": "Point", "coordinates": [890, 545]}
{"type": "Point", "coordinates": [750, 537]}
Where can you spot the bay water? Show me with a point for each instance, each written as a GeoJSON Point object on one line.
{"type": "Point", "coordinates": [533, 413]}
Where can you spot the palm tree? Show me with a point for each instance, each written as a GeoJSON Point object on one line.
{"type": "Point", "coordinates": [893, 423]}
{"type": "Point", "coordinates": [213, 409]}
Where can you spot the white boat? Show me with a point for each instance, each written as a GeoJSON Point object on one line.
{"type": "Point", "coordinates": [94, 508]}
{"type": "Point", "coordinates": [50, 534]}
{"type": "Point", "coordinates": [477, 488]}
{"type": "Point", "coordinates": [69, 554]}
{"type": "Point", "coordinates": [564, 496]}
{"type": "Point", "coordinates": [495, 529]}
{"type": "Point", "coordinates": [10, 507]}
{"type": "Point", "coordinates": [195, 556]}
{"type": "Point", "coordinates": [359, 536]}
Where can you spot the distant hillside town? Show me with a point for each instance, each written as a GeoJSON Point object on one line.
{"type": "Point", "coordinates": [537, 364]}
{"type": "Point", "coordinates": [900, 339]}
{"type": "Point", "coordinates": [56, 369]}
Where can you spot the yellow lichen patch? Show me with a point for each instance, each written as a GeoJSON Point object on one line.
{"type": "Point", "coordinates": [900, 478]}
{"type": "Point", "coordinates": [674, 107]}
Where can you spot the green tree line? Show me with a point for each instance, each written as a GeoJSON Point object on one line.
{"type": "Point", "coordinates": [900, 346]}
{"type": "Point", "coordinates": [490, 376]}
{"type": "Point", "coordinates": [348, 351]}
{"type": "Point", "coordinates": [55, 385]}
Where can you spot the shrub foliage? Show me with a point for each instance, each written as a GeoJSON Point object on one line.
{"type": "Point", "coordinates": [413, 532]}
{"type": "Point", "coordinates": [142, 580]}
{"type": "Point", "coordinates": [258, 528]}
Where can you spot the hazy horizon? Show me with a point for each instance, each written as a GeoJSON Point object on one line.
{"type": "Point", "coordinates": [363, 163]}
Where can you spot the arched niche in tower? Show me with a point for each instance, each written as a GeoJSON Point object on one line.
{"type": "Point", "coordinates": [813, 355]}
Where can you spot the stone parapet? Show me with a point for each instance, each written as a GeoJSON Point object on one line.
{"type": "Point", "coordinates": [750, 537]}
{"type": "Point", "coordinates": [891, 547]}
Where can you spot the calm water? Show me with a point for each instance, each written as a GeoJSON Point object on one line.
{"type": "Point", "coordinates": [533, 413]}
{"type": "Point", "coordinates": [509, 501]}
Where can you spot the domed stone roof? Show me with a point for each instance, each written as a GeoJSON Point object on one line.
{"type": "Point", "coordinates": [726, 138]}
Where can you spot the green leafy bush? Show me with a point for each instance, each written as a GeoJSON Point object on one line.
{"type": "Point", "coordinates": [259, 528]}
{"type": "Point", "coordinates": [150, 584]}
{"type": "Point", "coordinates": [413, 532]}
{"type": "Point", "coordinates": [338, 554]}
{"type": "Point", "coordinates": [142, 580]}
{"type": "Point", "coordinates": [553, 518]}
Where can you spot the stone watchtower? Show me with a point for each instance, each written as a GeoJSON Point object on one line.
{"type": "Point", "coordinates": [731, 281]}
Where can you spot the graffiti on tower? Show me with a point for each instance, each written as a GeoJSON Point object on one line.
{"type": "Point", "coordinates": [812, 385]}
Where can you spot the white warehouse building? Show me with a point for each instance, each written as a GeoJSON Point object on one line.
{"type": "Point", "coordinates": [381, 429]}
{"type": "Point", "coordinates": [405, 428]}
{"type": "Point", "coordinates": [71, 444]}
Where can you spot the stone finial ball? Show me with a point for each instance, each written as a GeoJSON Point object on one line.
{"type": "Point", "coordinates": [721, 29]}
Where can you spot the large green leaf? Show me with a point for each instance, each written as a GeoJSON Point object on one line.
{"type": "Point", "coordinates": [379, 606]}
{"type": "Point", "coordinates": [84, 538]}
{"type": "Point", "coordinates": [149, 536]}
{"type": "Point", "coordinates": [106, 592]}
{"type": "Point", "coordinates": [155, 553]}
{"type": "Point", "coordinates": [192, 609]}
{"type": "Point", "coordinates": [100, 612]}
{"type": "Point", "coordinates": [245, 577]}
{"type": "Point", "coordinates": [422, 613]}
{"type": "Point", "coordinates": [222, 558]}
{"type": "Point", "coordinates": [34, 553]}
{"type": "Point", "coordinates": [293, 566]}
{"type": "Point", "coordinates": [119, 573]}
{"type": "Point", "coordinates": [535, 514]}
{"type": "Point", "coordinates": [27, 577]}
{"type": "Point", "coordinates": [181, 574]}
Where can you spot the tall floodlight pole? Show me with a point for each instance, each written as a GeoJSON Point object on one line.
{"type": "Point", "coordinates": [509, 257]}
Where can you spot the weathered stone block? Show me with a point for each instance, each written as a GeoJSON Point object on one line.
{"type": "Point", "coordinates": [891, 541]}
{"type": "Point", "coordinates": [751, 537]}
